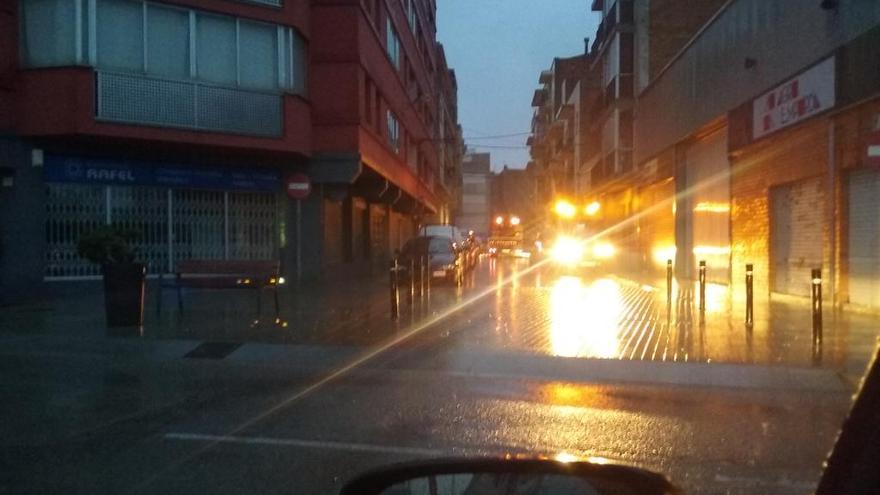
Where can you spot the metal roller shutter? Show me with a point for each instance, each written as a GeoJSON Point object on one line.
{"type": "Point", "coordinates": [332, 247]}
{"type": "Point", "coordinates": [864, 238]}
{"type": "Point", "coordinates": [360, 228]}
{"type": "Point", "coordinates": [378, 233]}
{"type": "Point", "coordinates": [795, 235]}
{"type": "Point", "coordinates": [172, 225]}
{"type": "Point", "coordinates": [708, 181]}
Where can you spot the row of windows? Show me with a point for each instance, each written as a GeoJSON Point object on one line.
{"type": "Point", "coordinates": [396, 136]}
{"type": "Point", "coordinates": [411, 15]}
{"type": "Point", "coordinates": [392, 38]}
{"type": "Point", "coordinates": [392, 45]}
{"type": "Point", "coordinates": [377, 119]}
{"type": "Point", "coordinates": [155, 39]}
{"type": "Point", "coordinates": [402, 64]}
{"type": "Point", "coordinates": [478, 189]}
{"type": "Point", "coordinates": [393, 131]}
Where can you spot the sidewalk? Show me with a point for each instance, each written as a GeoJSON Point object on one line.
{"type": "Point", "coordinates": [601, 316]}
{"type": "Point", "coordinates": [354, 312]}
{"type": "Point", "coordinates": [781, 333]}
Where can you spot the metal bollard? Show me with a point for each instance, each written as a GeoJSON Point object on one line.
{"type": "Point", "coordinates": [816, 292]}
{"type": "Point", "coordinates": [702, 286]}
{"type": "Point", "coordinates": [429, 275]}
{"type": "Point", "coordinates": [393, 283]}
{"type": "Point", "coordinates": [412, 279]}
{"type": "Point", "coordinates": [668, 280]}
{"type": "Point", "coordinates": [421, 276]}
{"type": "Point", "coordinates": [750, 315]}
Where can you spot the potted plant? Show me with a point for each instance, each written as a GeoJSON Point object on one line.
{"type": "Point", "coordinates": [112, 247]}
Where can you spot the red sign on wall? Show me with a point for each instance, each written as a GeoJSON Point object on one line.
{"type": "Point", "coordinates": [797, 99]}
{"type": "Point", "coordinates": [298, 186]}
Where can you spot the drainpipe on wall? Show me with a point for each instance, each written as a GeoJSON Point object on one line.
{"type": "Point", "coordinates": [832, 214]}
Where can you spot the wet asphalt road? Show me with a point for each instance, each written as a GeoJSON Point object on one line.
{"type": "Point", "coordinates": [136, 417]}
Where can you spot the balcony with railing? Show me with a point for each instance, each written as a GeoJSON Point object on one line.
{"type": "Point", "coordinates": [620, 88]}
{"type": "Point", "coordinates": [137, 99]}
{"type": "Point", "coordinates": [620, 14]}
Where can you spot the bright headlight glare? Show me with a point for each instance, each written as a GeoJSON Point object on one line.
{"type": "Point", "coordinates": [567, 251]}
{"type": "Point", "coordinates": [565, 209]}
{"type": "Point", "coordinates": [592, 208]}
{"type": "Point", "coordinates": [603, 250]}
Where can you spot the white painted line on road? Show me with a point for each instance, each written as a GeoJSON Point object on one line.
{"type": "Point", "coordinates": [309, 444]}
{"type": "Point", "coordinates": [742, 481]}
{"type": "Point", "coordinates": [500, 366]}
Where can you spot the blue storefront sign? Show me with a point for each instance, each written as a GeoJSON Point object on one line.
{"type": "Point", "coordinates": [59, 168]}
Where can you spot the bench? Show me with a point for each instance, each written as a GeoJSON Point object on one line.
{"type": "Point", "coordinates": [223, 274]}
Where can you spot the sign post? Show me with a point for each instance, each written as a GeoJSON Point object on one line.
{"type": "Point", "coordinates": [298, 187]}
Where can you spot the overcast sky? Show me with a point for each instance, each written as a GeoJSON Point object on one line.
{"type": "Point", "coordinates": [498, 48]}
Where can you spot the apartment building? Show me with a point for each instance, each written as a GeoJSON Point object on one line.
{"type": "Point", "coordinates": [774, 170]}
{"type": "Point", "coordinates": [476, 193]}
{"type": "Point", "coordinates": [183, 119]}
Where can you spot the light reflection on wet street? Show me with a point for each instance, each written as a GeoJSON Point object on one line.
{"type": "Point", "coordinates": [570, 301]}
{"type": "Point", "coordinates": [598, 314]}
{"type": "Point", "coordinates": [511, 373]}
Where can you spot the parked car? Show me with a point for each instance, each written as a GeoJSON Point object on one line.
{"type": "Point", "coordinates": [461, 242]}
{"type": "Point", "coordinates": [445, 261]}
{"type": "Point", "coordinates": [450, 231]}
{"type": "Point", "coordinates": [471, 250]}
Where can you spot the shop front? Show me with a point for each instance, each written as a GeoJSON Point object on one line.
{"type": "Point", "coordinates": [805, 192]}
{"type": "Point", "coordinates": [179, 211]}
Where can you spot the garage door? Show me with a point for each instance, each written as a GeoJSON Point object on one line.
{"type": "Point", "coordinates": [864, 238]}
{"type": "Point", "coordinates": [332, 248]}
{"type": "Point", "coordinates": [378, 234]}
{"type": "Point", "coordinates": [708, 206]}
{"type": "Point", "coordinates": [795, 235]}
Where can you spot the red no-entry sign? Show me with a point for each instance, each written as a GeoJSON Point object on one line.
{"type": "Point", "coordinates": [298, 186]}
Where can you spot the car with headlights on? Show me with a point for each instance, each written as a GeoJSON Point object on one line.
{"type": "Point", "coordinates": [576, 252]}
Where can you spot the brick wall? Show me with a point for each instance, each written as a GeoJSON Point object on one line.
{"type": "Point", "coordinates": [618, 210]}
{"type": "Point", "coordinates": [790, 156]}
{"type": "Point", "coordinates": [852, 129]}
{"type": "Point", "coordinates": [656, 228]}
{"type": "Point", "coordinates": [786, 157]}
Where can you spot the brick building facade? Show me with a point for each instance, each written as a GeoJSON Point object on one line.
{"type": "Point", "coordinates": [634, 42]}
{"type": "Point", "coordinates": [772, 170]}
{"type": "Point", "coordinates": [805, 198]}
{"type": "Point", "coordinates": [476, 190]}
{"type": "Point", "coordinates": [183, 118]}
